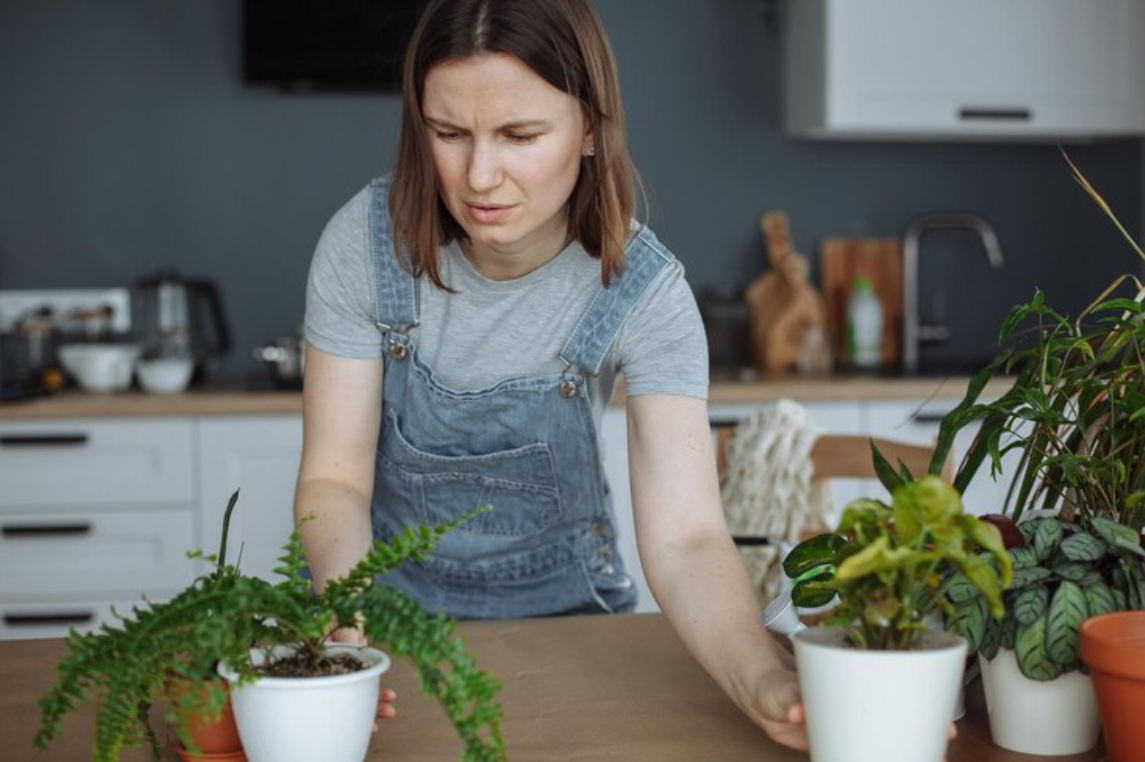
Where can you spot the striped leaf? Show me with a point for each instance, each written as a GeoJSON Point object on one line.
{"type": "Point", "coordinates": [1009, 635]}
{"type": "Point", "coordinates": [1030, 647]}
{"type": "Point", "coordinates": [1067, 611]}
{"type": "Point", "coordinates": [1029, 576]}
{"type": "Point", "coordinates": [1118, 535]}
{"type": "Point", "coordinates": [960, 589]}
{"type": "Point", "coordinates": [1031, 603]}
{"type": "Point", "coordinates": [1023, 557]}
{"type": "Point", "coordinates": [1028, 528]}
{"type": "Point", "coordinates": [992, 639]}
{"type": "Point", "coordinates": [1083, 547]}
{"type": "Point", "coordinates": [1099, 599]}
{"type": "Point", "coordinates": [970, 621]}
{"type": "Point", "coordinates": [1079, 573]}
{"type": "Point", "coordinates": [1047, 537]}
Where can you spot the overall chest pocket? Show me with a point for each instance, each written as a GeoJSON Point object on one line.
{"type": "Point", "coordinates": [520, 483]}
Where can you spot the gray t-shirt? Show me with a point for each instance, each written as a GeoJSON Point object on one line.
{"type": "Point", "coordinates": [492, 330]}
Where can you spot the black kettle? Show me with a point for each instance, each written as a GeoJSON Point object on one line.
{"type": "Point", "coordinates": [181, 317]}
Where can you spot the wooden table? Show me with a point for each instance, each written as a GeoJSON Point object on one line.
{"type": "Point", "coordinates": [575, 688]}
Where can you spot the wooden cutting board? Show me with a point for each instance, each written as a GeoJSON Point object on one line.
{"type": "Point", "coordinates": [783, 304]}
{"type": "Point", "coordinates": [879, 260]}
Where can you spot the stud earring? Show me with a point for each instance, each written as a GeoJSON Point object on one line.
{"type": "Point", "coordinates": [591, 151]}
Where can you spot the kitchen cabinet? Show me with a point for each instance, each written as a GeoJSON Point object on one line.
{"type": "Point", "coordinates": [93, 513]}
{"type": "Point", "coordinates": [258, 455]}
{"type": "Point", "coordinates": [964, 69]}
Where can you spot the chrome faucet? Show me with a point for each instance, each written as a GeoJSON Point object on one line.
{"type": "Point", "coordinates": [914, 332]}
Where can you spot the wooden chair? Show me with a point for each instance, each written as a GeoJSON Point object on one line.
{"type": "Point", "coordinates": [836, 456]}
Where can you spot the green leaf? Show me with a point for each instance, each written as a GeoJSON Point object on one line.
{"type": "Point", "coordinates": [1023, 557]}
{"type": "Point", "coordinates": [890, 480]}
{"type": "Point", "coordinates": [1028, 529]}
{"type": "Point", "coordinates": [1083, 547]}
{"type": "Point", "coordinates": [1134, 582]}
{"type": "Point", "coordinates": [1077, 572]}
{"type": "Point", "coordinates": [877, 557]}
{"type": "Point", "coordinates": [1099, 599]}
{"type": "Point", "coordinates": [1067, 611]}
{"type": "Point", "coordinates": [818, 551]}
{"type": "Point", "coordinates": [1009, 634]}
{"type": "Point", "coordinates": [970, 621]}
{"type": "Point", "coordinates": [1030, 648]}
{"type": "Point", "coordinates": [983, 576]}
{"type": "Point", "coordinates": [1031, 603]}
{"type": "Point", "coordinates": [813, 593]}
{"type": "Point", "coordinates": [960, 589]}
{"type": "Point", "coordinates": [992, 639]}
{"type": "Point", "coordinates": [1118, 535]}
{"type": "Point", "coordinates": [990, 541]}
{"type": "Point", "coordinates": [1047, 536]}
{"type": "Point", "coordinates": [1027, 577]}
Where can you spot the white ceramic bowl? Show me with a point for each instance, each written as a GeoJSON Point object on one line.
{"type": "Point", "coordinates": [166, 375]}
{"type": "Point", "coordinates": [100, 368]}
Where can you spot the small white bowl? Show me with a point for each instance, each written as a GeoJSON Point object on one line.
{"type": "Point", "coordinates": [166, 375]}
{"type": "Point", "coordinates": [100, 368]}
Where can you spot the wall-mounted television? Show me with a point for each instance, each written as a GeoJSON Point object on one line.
{"type": "Point", "coordinates": [334, 45]}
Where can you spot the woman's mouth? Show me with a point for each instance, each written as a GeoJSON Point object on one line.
{"type": "Point", "coordinates": [489, 213]}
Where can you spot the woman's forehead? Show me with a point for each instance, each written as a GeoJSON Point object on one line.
{"type": "Point", "coordinates": [492, 86]}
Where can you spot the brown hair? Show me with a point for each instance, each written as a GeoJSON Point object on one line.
{"type": "Point", "coordinates": [563, 42]}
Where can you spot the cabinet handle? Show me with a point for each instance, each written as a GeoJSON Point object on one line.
{"type": "Point", "coordinates": [927, 418]}
{"type": "Point", "coordinates": [40, 620]}
{"type": "Point", "coordinates": [43, 440]}
{"type": "Point", "coordinates": [970, 114]}
{"type": "Point", "coordinates": [47, 530]}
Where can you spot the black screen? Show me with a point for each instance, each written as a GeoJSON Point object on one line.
{"type": "Point", "coordinates": [327, 44]}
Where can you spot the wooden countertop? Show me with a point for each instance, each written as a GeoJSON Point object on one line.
{"type": "Point", "coordinates": [230, 401]}
{"type": "Point", "coordinates": [589, 687]}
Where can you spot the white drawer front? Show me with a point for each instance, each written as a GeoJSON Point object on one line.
{"type": "Point", "coordinates": [27, 621]}
{"type": "Point", "coordinates": [100, 552]}
{"type": "Point", "coordinates": [72, 463]}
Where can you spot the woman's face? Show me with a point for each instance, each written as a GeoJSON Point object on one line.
{"type": "Point", "coordinates": [507, 148]}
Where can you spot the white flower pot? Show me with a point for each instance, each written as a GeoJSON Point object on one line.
{"type": "Point", "coordinates": [304, 719]}
{"type": "Point", "coordinates": [890, 706]}
{"type": "Point", "coordinates": [1055, 717]}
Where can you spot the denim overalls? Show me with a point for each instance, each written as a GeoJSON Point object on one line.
{"type": "Point", "coordinates": [526, 446]}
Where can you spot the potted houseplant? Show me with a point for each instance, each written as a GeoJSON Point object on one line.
{"type": "Point", "coordinates": [1076, 414]}
{"type": "Point", "coordinates": [890, 567]}
{"type": "Point", "coordinates": [1113, 645]}
{"type": "Point", "coordinates": [245, 626]}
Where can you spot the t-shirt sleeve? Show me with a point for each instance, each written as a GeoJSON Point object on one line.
{"type": "Point", "coordinates": [661, 348]}
{"type": "Point", "coordinates": [340, 288]}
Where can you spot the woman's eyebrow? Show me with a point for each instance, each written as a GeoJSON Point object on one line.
{"type": "Point", "coordinates": [514, 125]}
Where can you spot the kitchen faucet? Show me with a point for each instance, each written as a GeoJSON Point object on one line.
{"type": "Point", "coordinates": [914, 332]}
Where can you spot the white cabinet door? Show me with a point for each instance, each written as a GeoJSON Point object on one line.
{"type": "Point", "coordinates": [260, 456]}
{"type": "Point", "coordinates": [965, 68]}
{"type": "Point", "coordinates": [68, 464]}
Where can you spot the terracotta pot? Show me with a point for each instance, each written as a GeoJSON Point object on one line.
{"type": "Point", "coordinates": [1113, 645]}
{"type": "Point", "coordinates": [218, 740]}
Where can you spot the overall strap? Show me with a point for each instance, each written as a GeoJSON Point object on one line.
{"type": "Point", "coordinates": [396, 304]}
{"type": "Point", "coordinates": [644, 258]}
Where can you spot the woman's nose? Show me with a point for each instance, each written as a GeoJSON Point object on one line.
{"type": "Point", "coordinates": [485, 171]}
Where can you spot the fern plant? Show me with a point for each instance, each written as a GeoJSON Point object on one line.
{"type": "Point", "coordinates": [221, 615]}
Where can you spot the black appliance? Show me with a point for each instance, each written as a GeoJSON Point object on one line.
{"type": "Point", "coordinates": [327, 44]}
{"type": "Point", "coordinates": [181, 317]}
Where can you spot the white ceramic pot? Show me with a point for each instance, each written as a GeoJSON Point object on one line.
{"type": "Point", "coordinates": [284, 719]}
{"type": "Point", "coordinates": [1032, 717]}
{"type": "Point", "coordinates": [166, 375]}
{"type": "Point", "coordinates": [100, 368]}
{"type": "Point", "coordinates": [890, 706]}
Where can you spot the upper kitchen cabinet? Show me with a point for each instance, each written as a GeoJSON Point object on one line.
{"type": "Point", "coordinates": [964, 69]}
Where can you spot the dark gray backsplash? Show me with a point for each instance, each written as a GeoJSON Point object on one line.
{"type": "Point", "coordinates": [128, 142]}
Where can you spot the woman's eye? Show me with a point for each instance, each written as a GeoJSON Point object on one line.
{"type": "Point", "coordinates": [521, 139]}
{"type": "Point", "coordinates": [448, 137]}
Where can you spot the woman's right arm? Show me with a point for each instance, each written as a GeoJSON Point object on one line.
{"type": "Point", "coordinates": [341, 413]}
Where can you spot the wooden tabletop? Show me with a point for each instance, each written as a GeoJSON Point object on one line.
{"type": "Point", "coordinates": [575, 688]}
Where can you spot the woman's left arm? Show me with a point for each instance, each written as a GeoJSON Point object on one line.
{"type": "Point", "coordinates": [693, 567]}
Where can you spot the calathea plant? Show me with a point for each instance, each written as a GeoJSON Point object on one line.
{"type": "Point", "coordinates": [1063, 575]}
{"type": "Point", "coordinates": [891, 566]}
{"type": "Point", "coordinates": [222, 615]}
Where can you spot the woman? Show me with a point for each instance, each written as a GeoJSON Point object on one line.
{"type": "Point", "coordinates": [467, 319]}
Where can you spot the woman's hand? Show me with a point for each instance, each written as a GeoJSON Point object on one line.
{"type": "Point", "coordinates": [778, 708]}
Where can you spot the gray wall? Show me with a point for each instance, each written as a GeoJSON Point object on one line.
{"type": "Point", "coordinates": [128, 142]}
